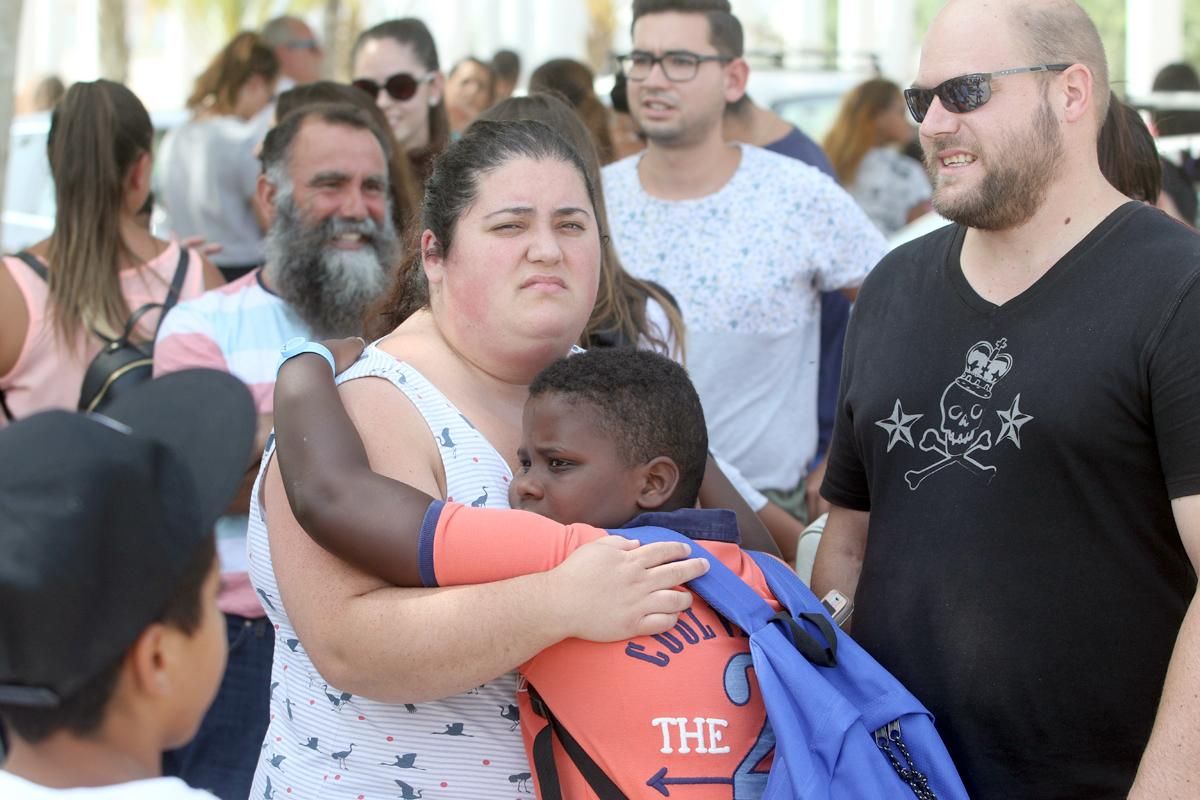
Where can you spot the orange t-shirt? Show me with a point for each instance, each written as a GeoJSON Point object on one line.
{"type": "Point", "coordinates": [679, 712]}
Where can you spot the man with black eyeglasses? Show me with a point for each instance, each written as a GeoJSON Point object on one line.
{"type": "Point", "coordinates": [744, 238]}
{"type": "Point", "coordinates": [1015, 471]}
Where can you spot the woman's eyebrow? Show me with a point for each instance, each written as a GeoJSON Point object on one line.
{"type": "Point", "coordinates": [518, 210]}
{"type": "Point", "coordinates": [525, 211]}
{"type": "Point", "coordinates": [569, 210]}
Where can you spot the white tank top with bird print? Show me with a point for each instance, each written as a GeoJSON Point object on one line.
{"type": "Point", "coordinates": [329, 744]}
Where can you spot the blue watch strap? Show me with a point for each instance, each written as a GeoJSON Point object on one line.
{"type": "Point", "coordinates": [299, 345]}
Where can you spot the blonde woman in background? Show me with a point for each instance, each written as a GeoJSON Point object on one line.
{"type": "Point", "coordinates": [863, 146]}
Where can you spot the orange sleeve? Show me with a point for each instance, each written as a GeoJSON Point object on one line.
{"type": "Point", "coordinates": [462, 545]}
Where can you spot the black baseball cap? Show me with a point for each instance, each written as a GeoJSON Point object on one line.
{"type": "Point", "coordinates": [100, 516]}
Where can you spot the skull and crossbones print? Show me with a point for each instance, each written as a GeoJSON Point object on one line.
{"type": "Point", "coordinates": [963, 432]}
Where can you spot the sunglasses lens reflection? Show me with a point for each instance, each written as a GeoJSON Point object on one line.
{"type": "Point", "coordinates": [918, 102]}
{"type": "Point", "coordinates": [400, 86]}
{"type": "Point", "coordinates": [966, 93]}
{"type": "Point", "coordinates": [958, 95]}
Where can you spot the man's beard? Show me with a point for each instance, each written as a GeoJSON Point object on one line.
{"type": "Point", "coordinates": [1017, 179]}
{"type": "Point", "coordinates": [330, 288]}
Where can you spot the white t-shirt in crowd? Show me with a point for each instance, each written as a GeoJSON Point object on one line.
{"type": "Point", "coordinates": [747, 264]}
{"type": "Point", "coordinates": [658, 321]}
{"type": "Point", "coordinates": [887, 186]}
{"type": "Point", "coordinates": [204, 178]}
{"type": "Point", "coordinates": [14, 788]}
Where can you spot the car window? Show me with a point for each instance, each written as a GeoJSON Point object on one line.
{"type": "Point", "coordinates": [812, 114]}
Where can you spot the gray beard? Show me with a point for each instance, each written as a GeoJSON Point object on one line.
{"type": "Point", "coordinates": [1016, 183]}
{"type": "Point", "coordinates": [330, 288]}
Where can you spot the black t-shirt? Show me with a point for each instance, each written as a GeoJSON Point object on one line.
{"type": "Point", "coordinates": [1024, 576]}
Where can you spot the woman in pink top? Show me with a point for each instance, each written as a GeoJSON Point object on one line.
{"type": "Point", "coordinates": [101, 259]}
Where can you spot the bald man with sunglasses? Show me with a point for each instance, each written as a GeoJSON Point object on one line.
{"type": "Point", "coordinates": [1015, 470]}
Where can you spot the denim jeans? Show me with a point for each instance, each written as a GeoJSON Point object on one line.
{"type": "Point", "coordinates": [223, 756]}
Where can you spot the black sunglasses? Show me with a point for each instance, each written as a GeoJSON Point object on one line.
{"type": "Point", "coordinates": [966, 92]}
{"type": "Point", "coordinates": [400, 86]}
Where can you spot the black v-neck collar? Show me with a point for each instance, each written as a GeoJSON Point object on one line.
{"type": "Point", "coordinates": [953, 270]}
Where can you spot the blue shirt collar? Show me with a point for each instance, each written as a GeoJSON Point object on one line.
{"type": "Point", "coordinates": [704, 524]}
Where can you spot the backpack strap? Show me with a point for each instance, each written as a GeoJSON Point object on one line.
{"type": "Point", "coordinates": [549, 787]}
{"type": "Point", "coordinates": [176, 287]}
{"type": "Point", "coordinates": [786, 585]}
{"type": "Point", "coordinates": [166, 305]}
{"type": "Point", "coordinates": [732, 598]}
{"type": "Point", "coordinates": [35, 264]}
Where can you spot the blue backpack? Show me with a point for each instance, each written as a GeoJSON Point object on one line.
{"type": "Point", "coordinates": [843, 726]}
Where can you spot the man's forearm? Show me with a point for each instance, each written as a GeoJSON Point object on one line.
{"type": "Point", "coordinates": [1170, 768]}
{"type": "Point", "coordinates": [840, 554]}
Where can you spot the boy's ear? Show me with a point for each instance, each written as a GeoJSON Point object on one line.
{"type": "Point", "coordinates": [660, 477]}
{"type": "Point", "coordinates": [149, 660]}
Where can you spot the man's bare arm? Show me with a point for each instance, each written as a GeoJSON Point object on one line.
{"type": "Point", "coordinates": [840, 554]}
{"type": "Point", "coordinates": [1170, 767]}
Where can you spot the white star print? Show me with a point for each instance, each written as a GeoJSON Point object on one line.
{"type": "Point", "coordinates": [1012, 420]}
{"type": "Point", "coordinates": [899, 426]}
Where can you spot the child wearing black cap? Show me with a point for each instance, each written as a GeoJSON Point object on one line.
{"type": "Point", "coordinates": [111, 643]}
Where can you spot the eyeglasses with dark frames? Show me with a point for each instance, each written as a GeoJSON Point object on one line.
{"type": "Point", "coordinates": [966, 92]}
{"type": "Point", "coordinates": [400, 86]}
{"type": "Point", "coordinates": [677, 65]}
{"type": "Point", "coordinates": [303, 44]}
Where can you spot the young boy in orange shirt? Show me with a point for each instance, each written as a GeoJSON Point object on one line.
{"type": "Point", "coordinates": [611, 439]}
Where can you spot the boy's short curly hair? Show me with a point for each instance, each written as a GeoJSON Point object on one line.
{"type": "Point", "coordinates": [646, 404]}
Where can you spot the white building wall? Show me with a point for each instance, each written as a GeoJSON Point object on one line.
{"type": "Point", "coordinates": [1153, 39]}
{"type": "Point", "coordinates": [882, 27]}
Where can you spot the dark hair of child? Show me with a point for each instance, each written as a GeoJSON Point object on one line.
{"type": "Point", "coordinates": [645, 402]}
{"type": "Point", "coordinates": [83, 712]}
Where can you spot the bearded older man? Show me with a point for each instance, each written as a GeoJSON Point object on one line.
{"type": "Point", "coordinates": [330, 247]}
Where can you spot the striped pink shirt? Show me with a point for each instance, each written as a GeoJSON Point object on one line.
{"type": "Point", "coordinates": [237, 328]}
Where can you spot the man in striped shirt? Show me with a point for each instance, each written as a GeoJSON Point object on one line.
{"type": "Point", "coordinates": [329, 249]}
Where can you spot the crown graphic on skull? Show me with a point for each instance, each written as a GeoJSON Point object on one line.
{"type": "Point", "coordinates": [967, 397]}
{"type": "Point", "coordinates": [984, 368]}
